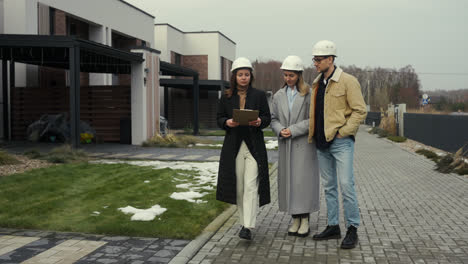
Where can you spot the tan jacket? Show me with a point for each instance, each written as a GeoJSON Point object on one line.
{"type": "Point", "coordinates": [344, 107]}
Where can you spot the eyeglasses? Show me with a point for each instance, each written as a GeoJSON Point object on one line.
{"type": "Point", "coordinates": [319, 59]}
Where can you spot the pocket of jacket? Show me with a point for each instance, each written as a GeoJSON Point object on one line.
{"type": "Point", "coordinates": [338, 99]}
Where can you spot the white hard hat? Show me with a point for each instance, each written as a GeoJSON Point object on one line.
{"type": "Point", "coordinates": [241, 62]}
{"type": "Point", "coordinates": [324, 48]}
{"type": "Point", "coordinates": [292, 63]}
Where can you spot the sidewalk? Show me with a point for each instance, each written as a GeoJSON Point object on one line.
{"type": "Point", "coordinates": [409, 212]}
{"type": "Point", "coordinates": [124, 151]}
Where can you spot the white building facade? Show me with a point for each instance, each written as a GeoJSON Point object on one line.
{"type": "Point", "coordinates": [59, 17]}
{"type": "Point", "coordinates": [211, 53]}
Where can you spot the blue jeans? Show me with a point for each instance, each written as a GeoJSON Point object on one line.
{"type": "Point", "coordinates": [336, 164]}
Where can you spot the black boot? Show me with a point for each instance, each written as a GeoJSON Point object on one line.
{"type": "Point", "coordinates": [331, 232]}
{"type": "Point", "coordinates": [245, 233]}
{"type": "Point", "coordinates": [351, 238]}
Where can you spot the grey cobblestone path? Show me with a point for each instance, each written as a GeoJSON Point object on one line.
{"type": "Point", "coordinates": [410, 214]}
{"type": "Point", "coordinates": [111, 249]}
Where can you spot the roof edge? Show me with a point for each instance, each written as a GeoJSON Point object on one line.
{"type": "Point", "coordinates": [145, 48]}
{"type": "Point", "coordinates": [134, 7]}
{"type": "Point", "coordinates": [169, 25]}
{"type": "Point", "coordinates": [196, 32]}
{"type": "Point", "coordinates": [218, 32]}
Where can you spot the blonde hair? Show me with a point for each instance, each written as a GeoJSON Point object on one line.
{"type": "Point", "coordinates": [302, 86]}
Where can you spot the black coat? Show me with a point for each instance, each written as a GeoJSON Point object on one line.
{"type": "Point", "coordinates": [253, 137]}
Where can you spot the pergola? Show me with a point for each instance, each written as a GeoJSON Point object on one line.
{"type": "Point", "coordinates": [177, 70]}
{"type": "Point", "coordinates": [196, 85]}
{"type": "Point", "coordinates": [76, 55]}
{"type": "Point", "coordinates": [64, 52]}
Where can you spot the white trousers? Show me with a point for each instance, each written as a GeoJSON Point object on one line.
{"type": "Point", "coordinates": [247, 186]}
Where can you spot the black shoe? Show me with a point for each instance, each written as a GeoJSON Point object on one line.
{"type": "Point", "coordinates": [351, 238]}
{"type": "Point", "coordinates": [245, 233]}
{"type": "Point", "coordinates": [331, 232]}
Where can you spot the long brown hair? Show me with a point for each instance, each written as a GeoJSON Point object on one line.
{"type": "Point", "coordinates": [233, 82]}
{"type": "Point", "coordinates": [302, 86]}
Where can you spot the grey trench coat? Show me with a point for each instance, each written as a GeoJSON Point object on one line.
{"type": "Point", "coordinates": [298, 174]}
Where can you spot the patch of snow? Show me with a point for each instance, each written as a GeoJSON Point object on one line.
{"type": "Point", "coordinates": [440, 154]}
{"type": "Point", "coordinates": [177, 179]}
{"type": "Point", "coordinates": [95, 213]}
{"type": "Point", "coordinates": [208, 145]}
{"type": "Point", "coordinates": [143, 214]}
{"type": "Point", "coordinates": [271, 144]}
{"type": "Point", "coordinates": [188, 196]}
{"type": "Point", "coordinates": [184, 185]}
{"type": "Point", "coordinates": [146, 181]}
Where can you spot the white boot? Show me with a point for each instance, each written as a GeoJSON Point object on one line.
{"type": "Point", "coordinates": [304, 228]}
{"type": "Point", "coordinates": [292, 231]}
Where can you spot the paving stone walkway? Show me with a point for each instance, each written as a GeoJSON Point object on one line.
{"type": "Point", "coordinates": [19, 246]}
{"type": "Point", "coordinates": [410, 214]}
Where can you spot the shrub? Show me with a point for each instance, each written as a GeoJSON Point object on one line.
{"type": "Point", "coordinates": [448, 163]}
{"type": "Point", "coordinates": [388, 123]}
{"type": "Point", "coordinates": [173, 141]}
{"type": "Point", "coordinates": [397, 138]}
{"type": "Point", "coordinates": [7, 159]}
{"type": "Point", "coordinates": [380, 132]}
{"type": "Point", "coordinates": [65, 154]}
{"type": "Point", "coordinates": [374, 130]}
{"type": "Point", "coordinates": [429, 154]}
{"type": "Point", "coordinates": [383, 133]}
{"type": "Point", "coordinates": [32, 154]}
{"type": "Point", "coordinates": [443, 165]}
{"type": "Point", "coordinates": [462, 171]}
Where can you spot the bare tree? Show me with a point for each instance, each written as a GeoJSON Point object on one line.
{"type": "Point", "coordinates": [380, 86]}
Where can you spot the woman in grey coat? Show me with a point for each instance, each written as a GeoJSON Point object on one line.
{"type": "Point", "coordinates": [298, 174]}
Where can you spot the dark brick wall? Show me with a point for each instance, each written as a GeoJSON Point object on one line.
{"type": "Point", "coordinates": [60, 23]}
{"type": "Point", "coordinates": [198, 63]}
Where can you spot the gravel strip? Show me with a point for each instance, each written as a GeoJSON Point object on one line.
{"type": "Point", "coordinates": [25, 165]}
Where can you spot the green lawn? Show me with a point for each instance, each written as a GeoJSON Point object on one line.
{"type": "Point", "coordinates": [64, 197]}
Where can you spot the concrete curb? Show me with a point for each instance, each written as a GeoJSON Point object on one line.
{"type": "Point", "coordinates": [195, 245]}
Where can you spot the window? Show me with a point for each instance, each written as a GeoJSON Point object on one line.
{"type": "Point", "coordinates": [223, 74]}
{"type": "Point", "coordinates": [52, 21]}
{"type": "Point", "coordinates": [72, 31]}
{"type": "Point", "coordinates": [177, 59]}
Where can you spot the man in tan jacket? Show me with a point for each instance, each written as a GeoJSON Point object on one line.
{"type": "Point", "coordinates": [336, 110]}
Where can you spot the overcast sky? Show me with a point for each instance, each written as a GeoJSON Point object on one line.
{"type": "Point", "coordinates": [430, 35]}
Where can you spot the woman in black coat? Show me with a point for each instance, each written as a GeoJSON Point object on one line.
{"type": "Point", "coordinates": [243, 177]}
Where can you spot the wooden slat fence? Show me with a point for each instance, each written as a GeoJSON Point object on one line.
{"type": "Point", "coordinates": [102, 107]}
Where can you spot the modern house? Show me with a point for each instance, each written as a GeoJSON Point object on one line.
{"type": "Point", "coordinates": [117, 65]}
{"type": "Point", "coordinates": [211, 54]}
